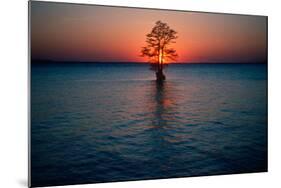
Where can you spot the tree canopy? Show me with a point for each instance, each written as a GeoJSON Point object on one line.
{"type": "Point", "coordinates": [157, 49]}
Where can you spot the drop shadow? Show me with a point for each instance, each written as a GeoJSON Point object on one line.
{"type": "Point", "coordinates": [23, 182]}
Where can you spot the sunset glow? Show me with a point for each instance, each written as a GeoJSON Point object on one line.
{"type": "Point", "coordinates": [112, 34]}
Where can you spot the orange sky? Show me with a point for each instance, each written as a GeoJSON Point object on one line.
{"type": "Point", "coordinates": [97, 33]}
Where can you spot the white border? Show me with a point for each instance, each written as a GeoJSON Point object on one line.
{"type": "Point", "coordinates": [14, 79]}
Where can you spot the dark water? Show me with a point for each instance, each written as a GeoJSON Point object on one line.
{"type": "Point", "coordinates": [98, 123]}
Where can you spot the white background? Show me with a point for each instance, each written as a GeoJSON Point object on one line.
{"type": "Point", "coordinates": [14, 84]}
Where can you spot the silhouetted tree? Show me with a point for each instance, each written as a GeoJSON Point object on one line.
{"type": "Point", "coordinates": [157, 49]}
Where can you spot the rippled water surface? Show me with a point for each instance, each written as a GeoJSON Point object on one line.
{"type": "Point", "coordinates": [98, 123]}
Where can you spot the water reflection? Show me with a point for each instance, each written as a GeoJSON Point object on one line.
{"type": "Point", "coordinates": [172, 126]}
{"type": "Point", "coordinates": [163, 153]}
{"type": "Point", "coordinates": [163, 103]}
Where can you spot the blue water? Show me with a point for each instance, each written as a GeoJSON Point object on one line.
{"type": "Point", "coordinates": [112, 122]}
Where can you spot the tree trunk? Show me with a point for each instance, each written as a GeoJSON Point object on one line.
{"type": "Point", "coordinates": [160, 76]}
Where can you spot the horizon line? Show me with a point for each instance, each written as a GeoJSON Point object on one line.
{"type": "Point", "coordinates": [38, 61]}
